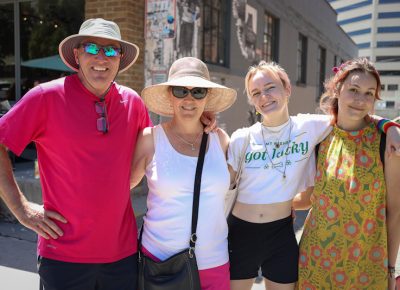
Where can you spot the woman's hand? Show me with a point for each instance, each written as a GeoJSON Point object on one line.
{"type": "Point", "coordinates": [208, 119]}
{"type": "Point", "coordinates": [393, 141]}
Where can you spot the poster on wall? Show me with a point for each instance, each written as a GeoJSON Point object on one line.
{"type": "Point", "coordinates": [160, 19]}
{"type": "Point", "coordinates": [160, 34]}
{"type": "Point", "coordinates": [245, 17]}
{"type": "Point", "coordinates": [171, 31]}
{"type": "Point", "coordinates": [189, 22]}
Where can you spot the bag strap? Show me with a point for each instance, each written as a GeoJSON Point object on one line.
{"type": "Point", "coordinates": [382, 148]}
{"type": "Point", "coordinates": [242, 158]}
{"type": "Point", "coordinates": [196, 191]}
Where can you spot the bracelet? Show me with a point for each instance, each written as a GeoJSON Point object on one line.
{"type": "Point", "coordinates": [391, 271]}
{"type": "Point", "coordinates": [384, 124]}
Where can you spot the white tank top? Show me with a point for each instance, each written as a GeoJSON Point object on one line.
{"type": "Point", "coordinates": [167, 224]}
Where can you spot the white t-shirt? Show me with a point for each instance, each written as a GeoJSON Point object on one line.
{"type": "Point", "coordinates": [268, 159]}
{"type": "Point", "coordinates": [167, 224]}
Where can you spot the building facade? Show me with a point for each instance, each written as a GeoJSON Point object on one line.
{"type": "Point", "coordinates": [374, 25]}
{"type": "Point", "coordinates": [229, 35]}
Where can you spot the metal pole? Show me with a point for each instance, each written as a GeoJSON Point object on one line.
{"type": "Point", "coordinates": [17, 51]}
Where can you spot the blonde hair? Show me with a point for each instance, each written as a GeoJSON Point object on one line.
{"type": "Point", "coordinates": [270, 67]}
{"type": "Point", "coordinates": [333, 85]}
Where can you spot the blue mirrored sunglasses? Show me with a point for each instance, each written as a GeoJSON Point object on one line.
{"type": "Point", "coordinates": [94, 49]}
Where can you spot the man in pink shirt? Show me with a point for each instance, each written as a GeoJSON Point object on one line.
{"type": "Point", "coordinates": [85, 128]}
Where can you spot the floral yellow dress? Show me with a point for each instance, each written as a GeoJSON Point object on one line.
{"type": "Point", "coordinates": [344, 243]}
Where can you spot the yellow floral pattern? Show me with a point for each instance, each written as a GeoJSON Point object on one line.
{"type": "Point", "coordinates": [344, 243]}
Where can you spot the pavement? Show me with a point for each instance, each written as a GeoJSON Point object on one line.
{"type": "Point", "coordinates": [18, 244]}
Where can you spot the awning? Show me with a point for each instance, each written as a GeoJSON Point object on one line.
{"type": "Point", "coordinates": [51, 62]}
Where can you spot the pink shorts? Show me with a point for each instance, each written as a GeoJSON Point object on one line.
{"type": "Point", "coordinates": [216, 278]}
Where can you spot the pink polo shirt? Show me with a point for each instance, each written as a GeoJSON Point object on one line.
{"type": "Point", "coordinates": [84, 173]}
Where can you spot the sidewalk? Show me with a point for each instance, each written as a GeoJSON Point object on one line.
{"type": "Point", "coordinates": [18, 258]}
{"type": "Point", "coordinates": [18, 244]}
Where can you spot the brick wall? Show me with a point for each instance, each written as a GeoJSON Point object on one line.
{"type": "Point", "coordinates": [129, 15]}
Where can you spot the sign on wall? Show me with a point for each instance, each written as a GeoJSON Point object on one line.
{"type": "Point", "coordinates": [245, 17]}
{"type": "Point", "coordinates": [171, 31]}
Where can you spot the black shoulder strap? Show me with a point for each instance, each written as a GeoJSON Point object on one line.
{"type": "Point", "coordinates": [196, 190]}
{"type": "Point", "coordinates": [382, 147]}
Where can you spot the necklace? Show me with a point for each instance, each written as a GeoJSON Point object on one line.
{"type": "Point", "coordinates": [276, 143]}
{"type": "Point", "coordinates": [191, 144]}
{"type": "Point", "coordinates": [276, 165]}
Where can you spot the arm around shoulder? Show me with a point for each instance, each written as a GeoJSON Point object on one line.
{"type": "Point", "coordinates": [142, 156]}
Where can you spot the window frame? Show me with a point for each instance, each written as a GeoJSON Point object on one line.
{"type": "Point", "coordinates": [302, 51]}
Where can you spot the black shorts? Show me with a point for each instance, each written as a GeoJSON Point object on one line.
{"type": "Point", "coordinates": [58, 275]}
{"type": "Point", "coordinates": [271, 246]}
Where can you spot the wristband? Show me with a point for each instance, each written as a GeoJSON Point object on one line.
{"type": "Point", "coordinates": [391, 271]}
{"type": "Point", "coordinates": [384, 124]}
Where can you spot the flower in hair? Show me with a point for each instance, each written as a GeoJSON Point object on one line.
{"type": "Point", "coordinates": [336, 69]}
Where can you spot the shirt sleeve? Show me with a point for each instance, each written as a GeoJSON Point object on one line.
{"type": "Point", "coordinates": [146, 121]}
{"type": "Point", "coordinates": [235, 148]}
{"type": "Point", "coordinates": [320, 124]}
{"type": "Point", "coordinates": [25, 122]}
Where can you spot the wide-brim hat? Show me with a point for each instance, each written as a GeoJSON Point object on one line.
{"type": "Point", "coordinates": [97, 27]}
{"type": "Point", "coordinates": [188, 72]}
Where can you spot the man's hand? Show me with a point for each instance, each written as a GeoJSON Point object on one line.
{"type": "Point", "coordinates": [393, 141]}
{"type": "Point", "coordinates": [208, 119]}
{"type": "Point", "coordinates": [36, 218]}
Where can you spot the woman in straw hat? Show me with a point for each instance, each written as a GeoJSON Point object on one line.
{"type": "Point", "coordinates": [167, 155]}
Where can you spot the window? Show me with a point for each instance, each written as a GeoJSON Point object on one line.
{"type": "Point", "coordinates": [355, 19]}
{"type": "Point", "coordinates": [322, 70]}
{"type": "Point", "coordinates": [389, 104]}
{"type": "Point", "coordinates": [214, 32]}
{"type": "Point", "coordinates": [389, 72]}
{"type": "Point", "coordinates": [393, 87]}
{"type": "Point", "coordinates": [364, 45]}
{"type": "Point", "coordinates": [382, 87]}
{"type": "Point", "coordinates": [302, 59]}
{"type": "Point", "coordinates": [388, 1]}
{"type": "Point", "coordinates": [359, 32]}
{"type": "Point", "coordinates": [354, 6]}
{"type": "Point", "coordinates": [271, 38]}
{"type": "Point", "coordinates": [389, 29]}
{"type": "Point", "coordinates": [39, 28]}
{"type": "Point", "coordinates": [388, 58]}
{"type": "Point", "coordinates": [389, 15]}
{"type": "Point", "coordinates": [388, 44]}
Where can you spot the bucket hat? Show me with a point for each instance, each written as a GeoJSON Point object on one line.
{"type": "Point", "coordinates": [188, 72]}
{"type": "Point", "coordinates": [101, 28]}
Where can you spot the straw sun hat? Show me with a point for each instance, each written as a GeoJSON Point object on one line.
{"type": "Point", "coordinates": [100, 28]}
{"type": "Point", "coordinates": [188, 72]}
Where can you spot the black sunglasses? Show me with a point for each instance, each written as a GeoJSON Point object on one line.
{"type": "Point", "coordinates": [197, 93]}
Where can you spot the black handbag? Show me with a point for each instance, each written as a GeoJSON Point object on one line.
{"type": "Point", "coordinates": [179, 271]}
